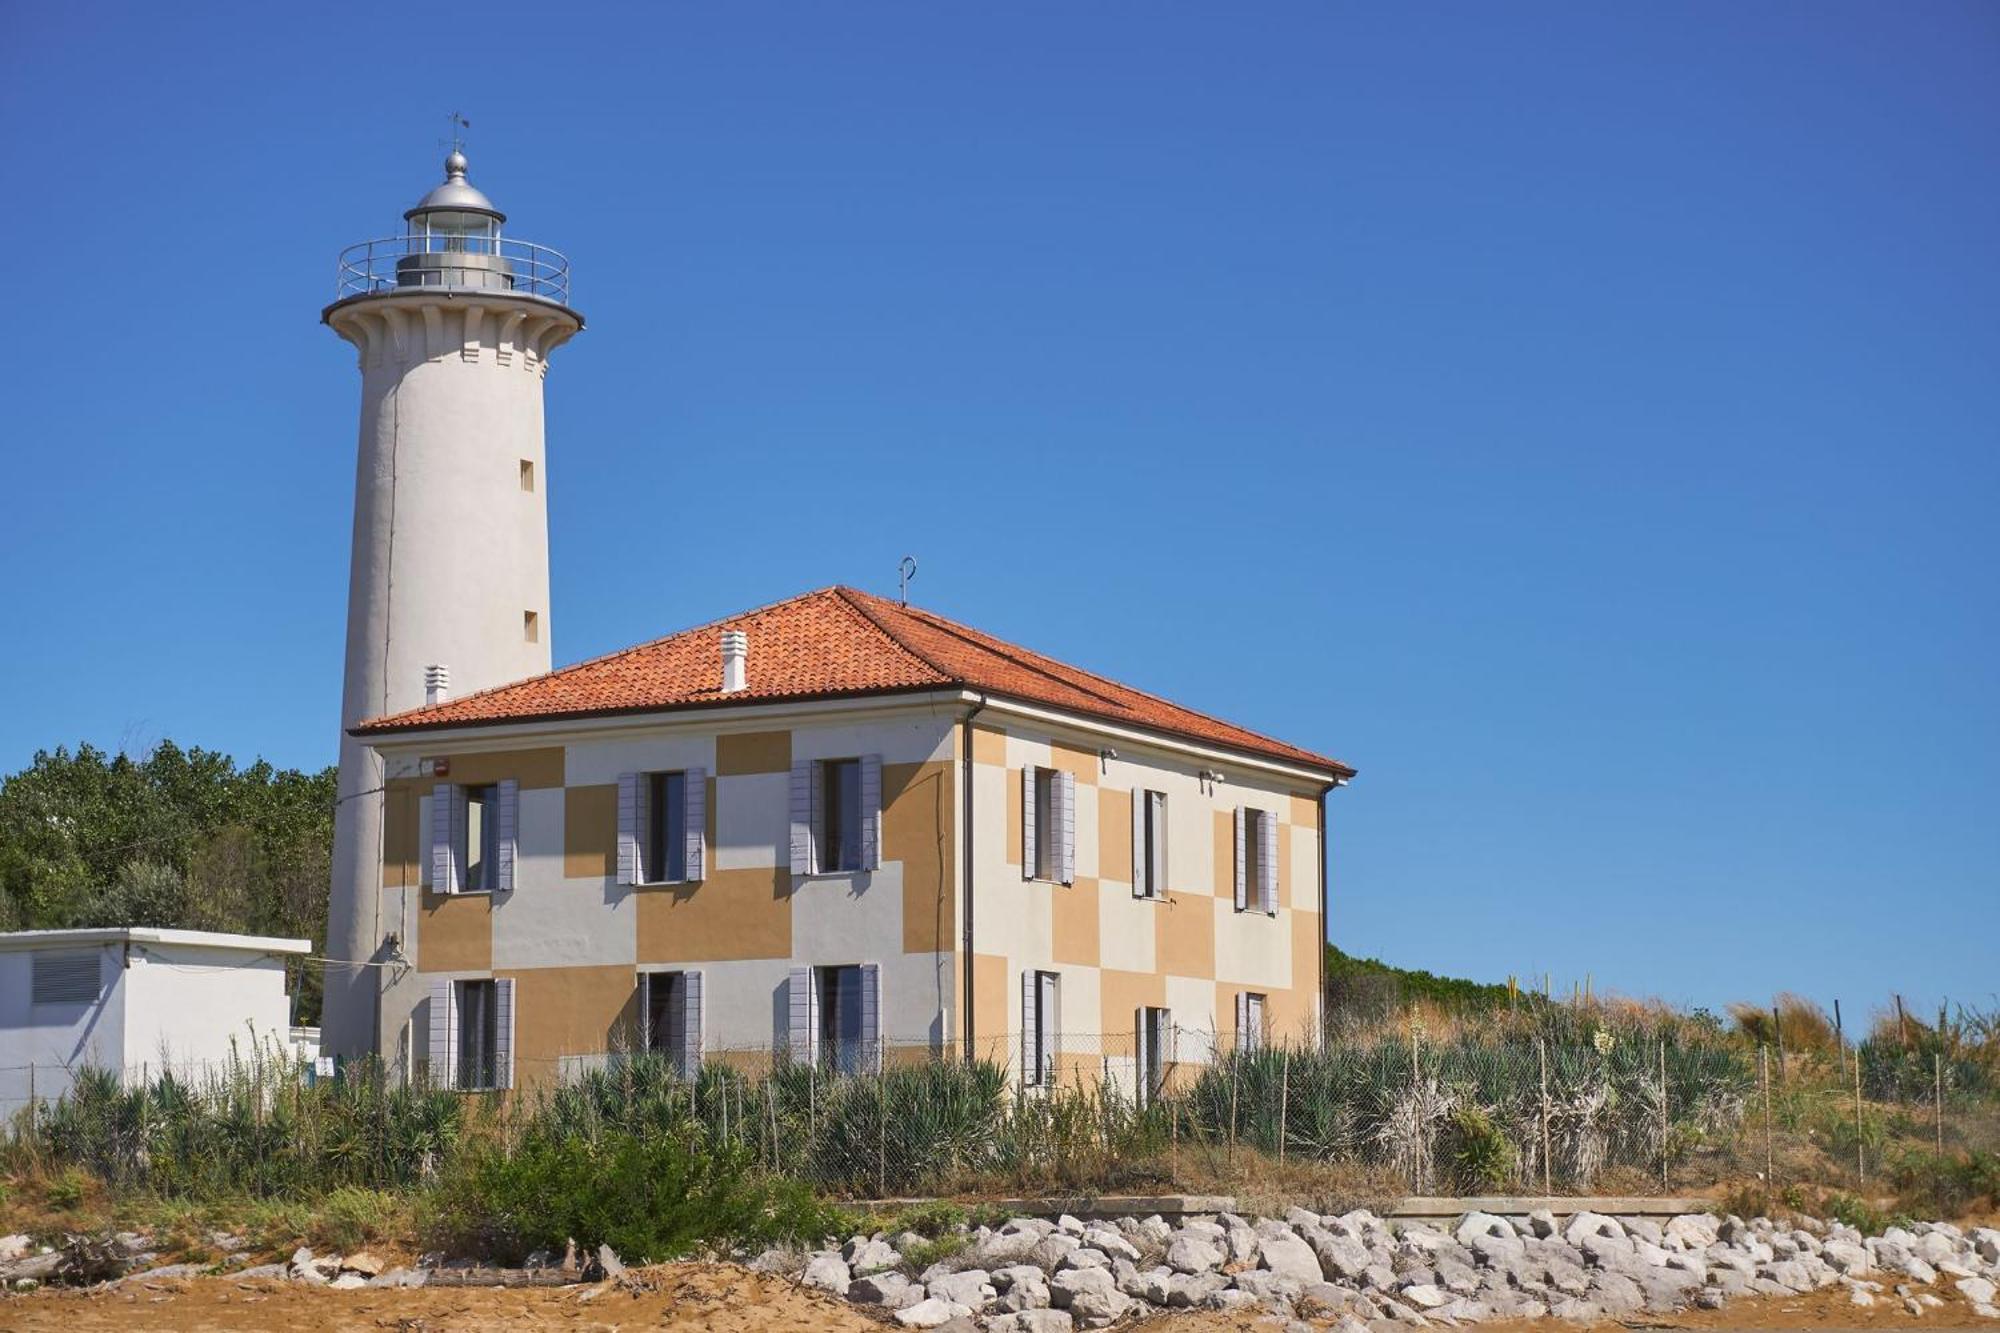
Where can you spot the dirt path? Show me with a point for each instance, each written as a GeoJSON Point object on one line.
{"type": "Point", "coordinates": [716, 1297]}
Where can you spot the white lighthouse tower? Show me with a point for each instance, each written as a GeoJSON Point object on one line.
{"type": "Point", "coordinates": [454, 323]}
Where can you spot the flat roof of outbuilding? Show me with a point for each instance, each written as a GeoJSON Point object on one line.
{"type": "Point", "coordinates": [205, 939]}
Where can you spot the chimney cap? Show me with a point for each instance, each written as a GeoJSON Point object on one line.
{"type": "Point", "coordinates": [735, 660]}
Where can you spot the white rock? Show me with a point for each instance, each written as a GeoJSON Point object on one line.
{"type": "Point", "coordinates": [348, 1282]}
{"type": "Point", "coordinates": [827, 1271]}
{"type": "Point", "coordinates": [1975, 1289]}
{"type": "Point", "coordinates": [1192, 1253]}
{"type": "Point", "coordinates": [890, 1290]}
{"type": "Point", "coordinates": [871, 1256]}
{"type": "Point", "coordinates": [969, 1287]}
{"type": "Point", "coordinates": [931, 1312]}
{"type": "Point", "coordinates": [1425, 1295]}
{"type": "Point", "coordinates": [1288, 1256]}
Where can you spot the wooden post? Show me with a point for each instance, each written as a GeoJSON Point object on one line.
{"type": "Point", "coordinates": [1174, 1137]}
{"type": "Point", "coordinates": [1839, 1036]}
{"type": "Point", "coordinates": [1764, 1061]}
{"type": "Point", "coordinates": [1284, 1094]}
{"type": "Point", "coordinates": [1902, 1025]}
{"type": "Point", "coordinates": [1778, 1035]}
{"type": "Point", "coordinates": [1548, 1189]}
{"type": "Point", "coordinates": [1234, 1066]}
{"type": "Point", "coordinates": [1860, 1149]}
{"type": "Point", "coordinates": [1665, 1122]}
{"type": "Point", "coordinates": [1937, 1173]}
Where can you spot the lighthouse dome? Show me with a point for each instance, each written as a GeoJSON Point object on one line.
{"type": "Point", "coordinates": [456, 194]}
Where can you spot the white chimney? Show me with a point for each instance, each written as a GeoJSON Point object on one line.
{"type": "Point", "coordinates": [437, 684]}
{"type": "Point", "coordinates": [735, 659]}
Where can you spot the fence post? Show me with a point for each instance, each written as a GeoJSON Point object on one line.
{"type": "Point", "coordinates": [1839, 1036]}
{"type": "Point", "coordinates": [1764, 1063]}
{"type": "Point", "coordinates": [34, 1110]}
{"type": "Point", "coordinates": [1860, 1146]}
{"type": "Point", "coordinates": [1778, 1035]}
{"type": "Point", "coordinates": [1174, 1138]}
{"type": "Point", "coordinates": [1548, 1185]}
{"type": "Point", "coordinates": [1284, 1096]}
{"type": "Point", "coordinates": [1666, 1123]}
{"type": "Point", "coordinates": [881, 1137]}
{"type": "Point", "coordinates": [1235, 1066]}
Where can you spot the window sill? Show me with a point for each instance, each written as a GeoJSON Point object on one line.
{"type": "Point", "coordinates": [664, 883]}
{"type": "Point", "coordinates": [429, 892]}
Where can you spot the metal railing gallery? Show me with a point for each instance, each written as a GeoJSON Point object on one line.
{"type": "Point", "coordinates": [476, 263]}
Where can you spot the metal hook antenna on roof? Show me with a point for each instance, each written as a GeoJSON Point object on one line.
{"type": "Point", "coordinates": [906, 569]}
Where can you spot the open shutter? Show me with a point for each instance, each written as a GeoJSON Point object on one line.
{"type": "Point", "coordinates": [444, 878]}
{"type": "Point", "coordinates": [695, 824]}
{"type": "Point", "coordinates": [1267, 861]}
{"type": "Point", "coordinates": [628, 828]}
{"type": "Point", "coordinates": [444, 1035]}
{"type": "Point", "coordinates": [1065, 785]}
{"type": "Point", "coordinates": [1161, 880]}
{"type": "Point", "coordinates": [1242, 1020]}
{"type": "Point", "coordinates": [645, 1012]}
{"type": "Point", "coordinates": [1031, 1049]}
{"type": "Point", "coordinates": [871, 812]}
{"type": "Point", "coordinates": [1140, 801]}
{"type": "Point", "coordinates": [1028, 866]}
{"type": "Point", "coordinates": [1142, 1056]}
{"type": "Point", "coordinates": [426, 853]}
{"type": "Point", "coordinates": [690, 1023]}
{"type": "Point", "coordinates": [802, 829]}
{"type": "Point", "coordinates": [1242, 889]}
{"type": "Point", "coordinates": [507, 839]}
{"type": "Point", "coordinates": [503, 1033]}
{"type": "Point", "coordinates": [804, 1006]}
{"type": "Point", "coordinates": [871, 1016]}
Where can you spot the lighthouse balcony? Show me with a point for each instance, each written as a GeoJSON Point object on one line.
{"type": "Point", "coordinates": [453, 262]}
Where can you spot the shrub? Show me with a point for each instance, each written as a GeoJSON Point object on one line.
{"type": "Point", "coordinates": [1482, 1157]}
{"type": "Point", "coordinates": [351, 1217]}
{"type": "Point", "coordinates": [68, 1189]}
{"type": "Point", "coordinates": [648, 1197]}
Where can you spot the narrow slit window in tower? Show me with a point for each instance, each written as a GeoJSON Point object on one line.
{"type": "Point", "coordinates": [531, 626]}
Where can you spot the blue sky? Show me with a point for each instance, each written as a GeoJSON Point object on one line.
{"type": "Point", "coordinates": [1581, 418]}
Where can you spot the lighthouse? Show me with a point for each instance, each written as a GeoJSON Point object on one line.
{"type": "Point", "coordinates": [452, 322]}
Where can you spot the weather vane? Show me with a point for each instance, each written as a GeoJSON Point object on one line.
{"type": "Point", "coordinates": [457, 123]}
{"type": "Point", "coordinates": [906, 569]}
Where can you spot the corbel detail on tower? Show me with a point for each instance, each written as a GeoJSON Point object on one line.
{"type": "Point", "coordinates": [475, 319]}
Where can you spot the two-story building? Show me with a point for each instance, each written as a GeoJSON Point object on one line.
{"type": "Point", "coordinates": [847, 829]}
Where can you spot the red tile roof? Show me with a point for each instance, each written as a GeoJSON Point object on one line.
{"type": "Point", "coordinates": [826, 644]}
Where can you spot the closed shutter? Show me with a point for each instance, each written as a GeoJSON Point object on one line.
{"type": "Point", "coordinates": [1031, 1053]}
{"type": "Point", "coordinates": [1242, 1020]}
{"type": "Point", "coordinates": [444, 1035]}
{"type": "Point", "coordinates": [871, 812]}
{"type": "Point", "coordinates": [1242, 889]}
{"type": "Point", "coordinates": [628, 828]}
{"type": "Point", "coordinates": [1028, 866]}
{"type": "Point", "coordinates": [1065, 785]}
{"type": "Point", "coordinates": [1255, 1009]}
{"type": "Point", "coordinates": [695, 824]}
{"type": "Point", "coordinates": [1143, 1056]}
{"type": "Point", "coordinates": [503, 1033]}
{"type": "Point", "coordinates": [871, 1016]}
{"type": "Point", "coordinates": [645, 1012]}
{"type": "Point", "coordinates": [444, 876]}
{"type": "Point", "coordinates": [1162, 881]}
{"type": "Point", "coordinates": [1267, 861]}
{"type": "Point", "coordinates": [643, 869]}
{"type": "Point", "coordinates": [1141, 799]}
{"type": "Point", "coordinates": [507, 839]}
{"type": "Point", "coordinates": [1046, 1016]}
{"type": "Point", "coordinates": [803, 1028]}
{"type": "Point", "coordinates": [690, 1023]}
{"type": "Point", "coordinates": [802, 830]}
{"type": "Point", "coordinates": [426, 857]}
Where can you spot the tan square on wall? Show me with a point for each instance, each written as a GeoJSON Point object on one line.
{"type": "Point", "coordinates": [455, 932]}
{"type": "Point", "coordinates": [561, 1011]}
{"type": "Point", "coordinates": [1225, 853]}
{"type": "Point", "coordinates": [590, 831]}
{"type": "Point", "coordinates": [919, 805]}
{"type": "Point", "coordinates": [1073, 921]}
{"type": "Point", "coordinates": [731, 914]}
{"type": "Point", "coordinates": [1184, 942]}
{"type": "Point", "coordinates": [1114, 834]}
{"type": "Point", "coordinates": [746, 752]}
{"type": "Point", "coordinates": [989, 746]}
{"type": "Point", "coordinates": [1070, 759]}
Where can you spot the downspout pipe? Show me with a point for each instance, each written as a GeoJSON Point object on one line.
{"type": "Point", "coordinates": [965, 876]}
{"type": "Point", "coordinates": [1325, 923]}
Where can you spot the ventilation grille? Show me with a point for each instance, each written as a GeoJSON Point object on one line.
{"type": "Point", "coordinates": [65, 978]}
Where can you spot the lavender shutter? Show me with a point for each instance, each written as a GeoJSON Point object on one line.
{"type": "Point", "coordinates": [643, 870]}
{"type": "Point", "coordinates": [1028, 866]}
{"type": "Point", "coordinates": [507, 839]}
{"type": "Point", "coordinates": [690, 1023]}
{"type": "Point", "coordinates": [1142, 1056]}
{"type": "Point", "coordinates": [1242, 1019]}
{"type": "Point", "coordinates": [1065, 784]}
{"type": "Point", "coordinates": [1141, 799]}
{"type": "Point", "coordinates": [1031, 1054]}
{"type": "Point", "coordinates": [871, 1015]}
{"type": "Point", "coordinates": [1161, 880]}
{"type": "Point", "coordinates": [444, 878]}
{"type": "Point", "coordinates": [645, 1012]}
{"type": "Point", "coordinates": [444, 1035]}
{"type": "Point", "coordinates": [871, 812]}
{"type": "Point", "coordinates": [628, 828]}
{"type": "Point", "coordinates": [503, 1033]}
{"type": "Point", "coordinates": [802, 817]}
{"type": "Point", "coordinates": [1267, 861]}
{"type": "Point", "coordinates": [1242, 888]}
{"type": "Point", "coordinates": [803, 1006]}
{"type": "Point", "coordinates": [695, 825]}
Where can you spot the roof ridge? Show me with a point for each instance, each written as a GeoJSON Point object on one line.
{"type": "Point", "coordinates": [614, 655]}
{"type": "Point", "coordinates": [858, 602]}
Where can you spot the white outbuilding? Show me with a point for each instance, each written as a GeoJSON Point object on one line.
{"type": "Point", "coordinates": [139, 1000]}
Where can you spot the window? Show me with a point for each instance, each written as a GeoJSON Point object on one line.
{"type": "Point", "coordinates": [671, 1012]}
{"type": "Point", "coordinates": [531, 627]}
{"type": "Point", "coordinates": [1149, 844]}
{"type": "Point", "coordinates": [840, 819]}
{"type": "Point", "coordinates": [664, 857]}
{"type": "Point", "coordinates": [482, 839]}
{"type": "Point", "coordinates": [841, 1029]}
{"type": "Point", "coordinates": [1155, 1043]}
{"type": "Point", "coordinates": [1040, 1021]}
{"type": "Point", "coordinates": [69, 977]}
{"type": "Point", "coordinates": [1256, 860]}
{"type": "Point", "coordinates": [1048, 824]}
{"type": "Point", "coordinates": [1249, 1021]}
{"type": "Point", "coordinates": [527, 474]}
{"type": "Point", "coordinates": [478, 1035]}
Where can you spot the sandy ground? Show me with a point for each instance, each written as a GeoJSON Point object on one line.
{"type": "Point", "coordinates": [721, 1298]}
